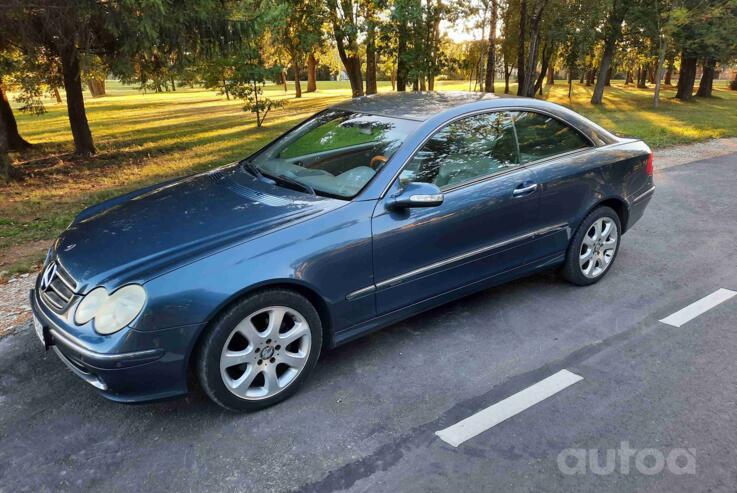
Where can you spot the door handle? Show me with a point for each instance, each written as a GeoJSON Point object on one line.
{"type": "Point", "coordinates": [519, 192]}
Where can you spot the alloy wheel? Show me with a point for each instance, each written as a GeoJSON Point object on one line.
{"type": "Point", "coordinates": [265, 352]}
{"type": "Point", "coordinates": [598, 247]}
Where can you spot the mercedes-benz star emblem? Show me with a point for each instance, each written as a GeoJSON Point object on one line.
{"type": "Point", "coordinates": [48, 276]}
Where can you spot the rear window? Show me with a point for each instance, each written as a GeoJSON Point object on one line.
{"type": "Point", "coordinates": [541, 136]}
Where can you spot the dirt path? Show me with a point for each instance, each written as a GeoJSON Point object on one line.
{"type": "Point", "coordinates": [15, 310]}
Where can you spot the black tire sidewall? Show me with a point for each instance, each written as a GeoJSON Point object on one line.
{"type": "Point", "coordinates": [571, 268]}
{"type": "Point", "coordinates": [211, 346]}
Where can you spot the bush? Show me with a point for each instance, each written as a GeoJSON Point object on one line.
{"type": "Point", "coordinates": [733, 85]}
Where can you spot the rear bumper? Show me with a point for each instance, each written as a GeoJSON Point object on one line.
{"type": "Point", "coordinates": [638, 203]}
{"type": "Point", "coordinates": [130, 373]}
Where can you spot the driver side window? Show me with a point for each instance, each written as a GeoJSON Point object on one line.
{"type": "Point", "coordinates": [464, 150]}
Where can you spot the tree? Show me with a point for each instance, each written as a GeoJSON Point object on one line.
{"type": "Point", "coordinates": [12, 63]}
{"type": "Point", "coordinates": [491, 56]}
{"type": "Point", "coordinates": [58, 28]}
{"type": "Point", "coordinates": [296, 25]}
{"type": "Point", "coordinates": [613, 32]}
{"type": "Point", "coordinates": [343, 16]}
{"type": "Point", "coordinates": [70, 32]}
{"type": "Point", "coordinates": [703, 30]}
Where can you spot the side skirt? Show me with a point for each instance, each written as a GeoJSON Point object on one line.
{"type": "Point", "coordinates": [356, 331]}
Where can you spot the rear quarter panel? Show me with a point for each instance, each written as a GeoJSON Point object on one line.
{"type": "Point", "coordinates": [573, 184]}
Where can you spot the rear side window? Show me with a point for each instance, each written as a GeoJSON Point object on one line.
{"type": "Point", "coordinates": [541, 136]}
{"type": "Point", "coordinates": [465, 150]}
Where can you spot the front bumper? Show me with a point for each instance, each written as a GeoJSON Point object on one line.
{"type": "Point", "coordinates": [144, 366]}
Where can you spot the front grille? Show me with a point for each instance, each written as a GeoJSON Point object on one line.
{"type": "Point", "coordinates": [58, 294]}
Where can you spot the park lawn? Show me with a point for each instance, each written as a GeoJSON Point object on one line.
{"type": "Point", "coordinates": [145, 138]}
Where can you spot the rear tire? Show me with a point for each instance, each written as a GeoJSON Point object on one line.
{"type": "Point", "coordinates": [260, 350]}
{"type": "Point", "coordinates": [594, 247]}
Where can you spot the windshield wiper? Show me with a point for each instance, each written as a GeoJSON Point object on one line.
{"type": "Point", "coordinates": [251, 168]}
{"type": "Point", "coordinates": [296, 183]}
{"type": "Point", "coordinates": [269, 178]}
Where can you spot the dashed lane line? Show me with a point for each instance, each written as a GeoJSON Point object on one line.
{"type": "Point", "coordinates": [493, 415]}
{"type": "Point", "coordinates": [699, 307]}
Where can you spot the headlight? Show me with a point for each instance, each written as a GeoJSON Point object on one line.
{"type": "Point", "coordinates": [110, 313]}
{"type": "Point", "coordinates": [89, 305]}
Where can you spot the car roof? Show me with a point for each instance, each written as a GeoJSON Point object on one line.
{"type": "Point", "coordinates": [418, 106]}
{"type": "Point", "coordinates": [422, 106]}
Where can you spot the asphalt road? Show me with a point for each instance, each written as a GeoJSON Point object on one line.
{"type": "Point", "coordinates": [366, 421]}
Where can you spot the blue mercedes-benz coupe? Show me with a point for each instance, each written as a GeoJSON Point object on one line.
{"type": "Point", "coordinates": [367, 213]}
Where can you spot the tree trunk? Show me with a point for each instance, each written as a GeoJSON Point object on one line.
{"type": "Point", "coordinates": [297, 73]}
{"type": "Point", "coordinates": [491, 56]}
{"type": "Point", "coordinates": [225, 90]}
{"type": "Point", "coordinates": [613, 33]}
{"type": "Point", "coordinates": [351, 62]}
{"type": "Point", "coordinates": [570, 82]}
{"type": "Point", "coordinates": [591, 76]}
{"type": "Point", "coordinates": [57, 96]}
{"type": "Point", "coordinates": [687, 77]}
{"type": "Point", "coordinates": [650, 73]}
{"type": "Point", "coordinates": [311, 73]}
{"type": "Point", "coordinates": [284, 80]}
{"type": "Point", "coordinates": [669, 72]}
{"type": "Point", "coordinates": [507, 75]}
{"type": "Point", "coordinates": [547, 55]}
{"type": "Point", "coordinates": [13, 140]}
{"type": "Point", "coordinates": [521, 48]}
{"type": "Point", "coordinates": [659, 73]}
{"type": "Point", "coordinates": [83, 144]}
{"type": "Point", "coordinates": [533, 50]}
{"type": "Point", "coordinates": [706, 84]}
{"type": "Point", "coordinates": [96, 87]}
{"type": "Point", "coordinates": [5, 166]}
{"type": "Point", "coordinates": [551, 75]}
{"type": "Point", "coordinates": [583, 77]}
{"type": "Point", "coordinates": [393, 77]}
{"type": "Point", "coordinates": [371, 59]}
{"type": "Point", "coordinates": [608, 80]}
{"type": "Point", "coordinates": [628, 78]}
{"type": "Point", "coordinates": [434, 48]}
{"type": "Point", "coordinates": [402, 69]}
{"type": "Point", "coordinates": [642, 77]}
{"type": "Point", "coordinates": [173, 85]}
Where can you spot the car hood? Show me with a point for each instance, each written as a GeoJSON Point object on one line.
{"type": "Point", "coordinates": [136, 236]}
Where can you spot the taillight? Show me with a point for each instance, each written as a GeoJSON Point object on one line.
{"type": "Point", "coordinates": [649, 167]}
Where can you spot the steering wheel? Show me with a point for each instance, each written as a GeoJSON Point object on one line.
{"type": "Point", "coordinates": [377, 162]}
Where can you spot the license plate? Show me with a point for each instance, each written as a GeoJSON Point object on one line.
{"type": "Point", "coordinates": [39, 329]}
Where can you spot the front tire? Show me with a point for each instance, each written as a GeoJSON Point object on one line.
{"type": "Point", "coordinates": [260, 350]}
{"type": "Point", "coordinates": [593, 248]}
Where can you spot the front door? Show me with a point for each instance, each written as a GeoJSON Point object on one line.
{"type": "Point", "coordinates": [481, 229]}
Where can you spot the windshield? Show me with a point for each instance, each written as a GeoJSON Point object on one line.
{"type": "Point", "coordinates": [336, 153]}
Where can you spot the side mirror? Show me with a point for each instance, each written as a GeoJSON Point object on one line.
{"type": "Point", "coordinates": [416, 194]}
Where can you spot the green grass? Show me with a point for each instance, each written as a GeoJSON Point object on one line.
{"type": "Point", "coordinates": [144, 138]}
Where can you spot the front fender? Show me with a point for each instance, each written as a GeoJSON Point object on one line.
{"type": "Point", "coordinates": [329, 255]}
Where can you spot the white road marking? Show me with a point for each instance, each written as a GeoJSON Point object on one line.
{"type": "Point", "coordinates": [505, 409]}
{"type": "Point", "coordinates": [697, 308]}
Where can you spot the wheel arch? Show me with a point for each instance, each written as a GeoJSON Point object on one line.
{"type": "Point", "coordinates": [618, 204]}
{"type": "Point", "coordinates": [298, 287]}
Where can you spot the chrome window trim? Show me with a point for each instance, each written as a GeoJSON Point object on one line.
{"type": "Point", "coordinates": [494, 110]}
{"type": "Point", "coordinates": [396, 280]}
